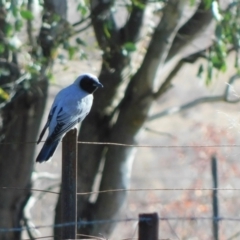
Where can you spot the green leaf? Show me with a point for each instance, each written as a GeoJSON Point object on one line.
{"type": "Point", "coordinates": [130, 47]}
{"type": "Point", "coordinates": [18, 25]}
{"type": "Point", "coordinates": [209, 74]}
{"type": "Point", "coordinates": [106, 31]}
{"type": "Point", "coordinates": [26, 14]}
{"type": "Point", "coordinates": [208, 3]}
{"type": "Point", "coordinates": [192, 2]}
{"type": "Point", "coordinates": [71, 51]}
{"type": "Point", "coordinates": [138, 4]}
{"type": "Point", "coordinates": [83, 55]}
{"type": "Point", "coordinates": [82, 8]}
{"type": "Point", "coordinates": [3, 94]}
{"type": "Point", "coordinates": [50, 77]}
{"type": "Point", "coordinates": [200, 71]}
{"type": "Point", "coordinates": [80, 41]}
{"type": "Point", "coordinates": [2, 48]}
{"type": "Point", "coordinates": [8, 29]}
{"type": "Point", "coordinates": [14, 10]}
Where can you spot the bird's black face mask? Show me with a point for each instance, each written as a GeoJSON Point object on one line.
{"type": "Point", "coordinates": [89, 84]}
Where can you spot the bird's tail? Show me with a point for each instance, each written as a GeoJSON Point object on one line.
{"type": "Point", "coordinates": [47, 151]}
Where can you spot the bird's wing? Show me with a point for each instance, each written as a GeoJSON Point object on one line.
{"type": "Point", "coordinates": [60, 129]}
{"type": "Point", "coordinates": [47, 124]}
{"type": "Point", "coordinates": [66, 120]}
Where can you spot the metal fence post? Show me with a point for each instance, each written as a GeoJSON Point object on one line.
{"type": "Point", "coordinates": [69, 185]}
{"type": "Point", "coordinates": [148, 226]}
{"type": "Point", "coordinates": [215, 197]}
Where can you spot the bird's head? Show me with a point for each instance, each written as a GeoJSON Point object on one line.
{"type": "Point", "coordinates": [88, 82]}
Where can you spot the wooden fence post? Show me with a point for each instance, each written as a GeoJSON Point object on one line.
{"type": "Point", "coordinates": [148, 226]}
{"type": "Point", "coordinates": [69, 185]}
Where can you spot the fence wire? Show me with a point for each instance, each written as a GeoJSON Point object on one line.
{"type": "Point", "coordinates": [124, 190]}
{"type": "Point", "coordinates": [137, 145]}
{"type": "Point", "coordinates": [113, 221]}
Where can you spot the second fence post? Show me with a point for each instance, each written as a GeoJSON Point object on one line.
{"type": "Point", "coordinates": [148, 226]}
{"type": "Point", "coordinates": [215, 197]}
{"type": "Point", "coordinates": [69, 185]}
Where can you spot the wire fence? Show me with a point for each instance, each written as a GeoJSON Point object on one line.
{"type": "Point", "coordinates": [138, 145]}
{"type": "Point", "coordinates": [114, 221]}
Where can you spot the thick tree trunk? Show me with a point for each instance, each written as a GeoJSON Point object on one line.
{"type": "Point", "coordinates": [131, 115]}
{"type": "Point", "coordinates": [21, 121]}
{"type": "Point", "coordinates": [121, 123]}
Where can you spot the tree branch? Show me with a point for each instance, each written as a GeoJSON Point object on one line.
{"type": "Point", "coordinates": [130, 32]}
{"type": "Point", "coordinates": [191, 29]}
{"type": "Point", "coordinates": [81, 29]}
{"type": "Point", "coordinates": [209, 99]}
{"type": "Point", "coordinates": [132, 115]}
{"type": "Point", "coordinates": [166, 85]}
{"type": "Point", "coordinates": [81, 21]}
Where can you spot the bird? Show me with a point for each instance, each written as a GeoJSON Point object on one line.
{"type": "Point", "coordinates": [70, 106]}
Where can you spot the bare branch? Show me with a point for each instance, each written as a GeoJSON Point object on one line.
{"type": "Point", "coordinates": [166, 85]}
{"type": "Point", "coordinates": [194, 27]}
{"type": "Point", "coordinates": [208, 99]}
{"type": "Point", "coordinates": [81, 21]}
{"type": "Point", "coordinates": [82, 29]}
{"type": "Point", "coordinates": [158, 132]}
{"type": "Point", "coordinates": [191, 104]}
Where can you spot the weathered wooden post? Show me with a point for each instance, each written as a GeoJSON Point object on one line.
{"type": "Point", "coordinates": [69, 185]}
{"type": "Point", "coordinates": [148, 226]}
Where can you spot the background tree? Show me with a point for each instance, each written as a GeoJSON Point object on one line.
{"type": "Point", "coordinates": [115, 117]}
{"type": "Point", "coordinates": [179, 25]}
{"type": "Point", "coordinates": [24, 81]}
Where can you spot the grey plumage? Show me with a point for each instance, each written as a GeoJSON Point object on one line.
{"type": "Point", "coordinates": [71, 105]}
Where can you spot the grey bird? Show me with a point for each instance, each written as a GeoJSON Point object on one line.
{"type": "Point", "coordinates": [71, 105]}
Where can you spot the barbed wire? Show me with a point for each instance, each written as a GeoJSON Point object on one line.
{"type": "Point", "coordinates": [112, 221]}
{"type": "Point", "coordinates": [136, 145]}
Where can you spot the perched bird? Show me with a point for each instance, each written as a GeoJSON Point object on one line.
{"type": "Point", "coordinates": [71, 105]}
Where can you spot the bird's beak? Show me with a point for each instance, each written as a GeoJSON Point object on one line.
{"type": "Point", "coordinates": [99, 85]}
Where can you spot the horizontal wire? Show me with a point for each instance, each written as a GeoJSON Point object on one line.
{"type": "Point", "coordinates": [157, 146]}
{"type": "Point", "coordinates": [27, 189]}
{"type": "Point", "coordinates": [124, 190]}
{"type": "Point", "coordinates": [136, 145]}
{"type": "Point", "coordinates": [90, 236]}
{"type": "Point", "coordinates": [156, 189]}
{"type": "Point", "coordinates": [111, 221]}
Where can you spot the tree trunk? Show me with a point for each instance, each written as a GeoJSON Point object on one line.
{"type": "Point", "coordinates": [132, 112]}
{"type": "Point", "coordinates": [21, 121]}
